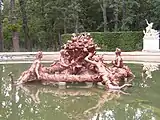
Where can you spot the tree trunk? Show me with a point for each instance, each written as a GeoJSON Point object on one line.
{"type": "Point", "coordinates": [123, 15]}
{"type": "Point", "coordinates": [103, 6]}
{"type": "Point", "coordinates": [1, 32]}
{"type": "Point", "coordinates": [15, 34]}
{"type": "Point", "coordinates": [60, 40]}
{"type": "Point", "coordinates": [1, 37]}
{"type": "Point", "coordinates": [54, 37]}
{"type": "Point", "coordinates": [25, 25]}
{"type": "Point", "coordinates": [76, 24]}
{"type": "Point", "coordinates": [44, 26]}
{"type": "Point", "coordinates": [65, 29]}
{"type": "Point", "coordinates": [116, 18]}
{"type": "Point", "coordinates": [15, 39]}
{"type": "Point", "coordinates": [105, 19]}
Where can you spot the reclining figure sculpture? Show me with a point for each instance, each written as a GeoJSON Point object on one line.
{"type": "Point", "coordinates": [79, 63]}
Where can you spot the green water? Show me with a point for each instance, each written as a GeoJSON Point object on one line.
{"type": "Point", "coordinates": [37, 102]}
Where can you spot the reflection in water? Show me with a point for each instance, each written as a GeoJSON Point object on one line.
{"type": "Point", "coordinates": [37, 102]}
{"type": "Point", "coordinates": [106, 96]}
{"type": "Point", "coordinates": [33, 92]}
{"type": "Point", "coordinates": [148, 68]}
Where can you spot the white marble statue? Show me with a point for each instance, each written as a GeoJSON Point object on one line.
{"type": "Point", "coordinates": [149, 30]}
{"type": "Point", "coordinates": [151, 40]}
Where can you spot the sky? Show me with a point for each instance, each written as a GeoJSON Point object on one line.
{"type": "Point", "coordinates": [1, 4]}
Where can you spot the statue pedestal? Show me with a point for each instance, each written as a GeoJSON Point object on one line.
{"type": "Point", "coordinates": [151, 43]}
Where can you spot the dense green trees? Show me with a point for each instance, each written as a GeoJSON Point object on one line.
{"type": "Point", "coordinates": [1, 33]}
{"type": "Point", "coordinates": [38, 24]}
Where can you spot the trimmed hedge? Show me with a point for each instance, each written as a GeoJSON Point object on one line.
{"type": "Point", "coordinates": [108, 41]}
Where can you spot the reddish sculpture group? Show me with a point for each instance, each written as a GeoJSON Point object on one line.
{"type": "Point", "coordinates": [79, 63]}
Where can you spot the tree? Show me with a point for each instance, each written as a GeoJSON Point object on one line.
{"type": "Point", "coordinates": [15, 33]}
{"type": "Point", "coordinates": [104, 5]}
{"type": "Point", "coordinates": [131, 15]}
{"type": "Point", "coordinates": [40, 22]}
{"type": "Point", "coordinates": [155, 12]}
{"type": "Point", "coordinates": [22, 4]}
{"type": "Point", "coordinates": [1, 33]}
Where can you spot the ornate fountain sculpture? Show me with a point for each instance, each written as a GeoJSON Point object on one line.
{"type": "Point", "coordinates": [151, 38]}
{"type": "Point", "coordinates": [79, 63]}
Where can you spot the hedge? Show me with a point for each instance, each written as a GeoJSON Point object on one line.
{"type": "Point", "coordinates": [108, 41]}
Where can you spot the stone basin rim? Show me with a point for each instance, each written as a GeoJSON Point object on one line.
{"type": "Point", "coordinates": [48, 62]}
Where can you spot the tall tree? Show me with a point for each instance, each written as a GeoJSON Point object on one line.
{"type": "Point", "coordinates": [1, 33]}
{"type": "Point", "coordinates": [22, 4]}
{"type": "Point", "coordinates": [104, 5]}
{"type": "Point", "coordinates": [131, 14]}
{"type": "Point", "coordinates": [116, 11]}
{"type": "Point", "coordinates": [15, 33]}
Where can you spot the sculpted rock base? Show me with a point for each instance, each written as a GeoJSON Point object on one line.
{"type": "Point", "coordinates": [79, 63]}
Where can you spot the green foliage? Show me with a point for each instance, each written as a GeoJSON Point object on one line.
{"type": "Point", "coordinates": [14, 27]}
{"type": "Point", "coordinates": [7, 34]}
{"type": "Point", "coordinates": [65, 37]}
{"type": "Point", "coordinates": [127, 41]}
{"type": "Point", "coordinates": [49, 18]}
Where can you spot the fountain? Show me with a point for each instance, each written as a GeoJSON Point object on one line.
{"type": "Point", "coordinates": [151, 38]}
{"type": "Point", "coordinates": [78, 62]}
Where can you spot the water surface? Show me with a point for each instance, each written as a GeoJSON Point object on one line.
{"type": "Point", "coordinates": [38, 102]}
